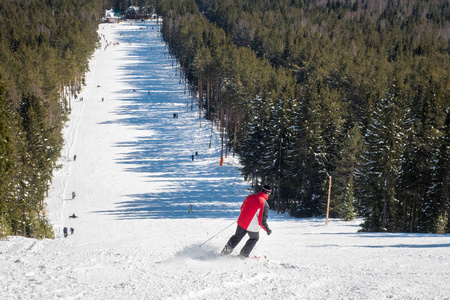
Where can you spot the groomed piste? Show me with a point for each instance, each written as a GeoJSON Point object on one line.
{"type": "Point", "coordinates": [135, 180]}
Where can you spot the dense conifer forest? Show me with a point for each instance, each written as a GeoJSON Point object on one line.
{"type": "Point", "coordinates": [355, 92]}
{"type": "Point", "coordinates": [308, 92]}
{"type": "Point", "coordinates": [44, 51]}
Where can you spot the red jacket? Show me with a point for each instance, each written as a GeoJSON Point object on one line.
{"type": "Point", "coordinates": [254, 212]}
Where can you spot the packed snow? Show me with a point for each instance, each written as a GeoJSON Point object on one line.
{"type": "Point", "coordinates": [134, 180]}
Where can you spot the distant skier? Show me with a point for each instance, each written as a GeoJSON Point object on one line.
{"type": "Point", "coordinates": [192, 157]}
{"type": "Point", "coordinates": [253, 216]}
{"type": "Point", "coordinates": [190, 209]}
{"type": "Point", "coordinates": [73, 195]}
{"type": "Point", "coordinates": [73, 216]}
{"type": "Point", "coordinates": [75, 157]}
{"type": "Point", "coordinates": [71, 230]}
{"type": "Point", "coordinates": [65, 232]}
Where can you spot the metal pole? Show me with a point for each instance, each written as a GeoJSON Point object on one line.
{"type": "Point", "coordinates": [216, 234]}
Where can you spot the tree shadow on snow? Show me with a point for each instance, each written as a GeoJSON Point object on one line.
{"type": "Point", "coordinates": [163, 154]}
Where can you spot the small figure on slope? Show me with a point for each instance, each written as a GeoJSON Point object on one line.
{"type": "Point", "coordinates": [65, 232]}
{"type": "Point", "coordinates": [253, 216]}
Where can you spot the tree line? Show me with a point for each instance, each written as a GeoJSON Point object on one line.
{"type": "Point", "coordinates": [309, 91]}
{"type": "Point", "coordinates": [303, 90]}
{"type": "Point", "coordinates": [45, 46]}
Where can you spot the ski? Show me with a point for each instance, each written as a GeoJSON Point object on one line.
{"type": "Point", "coordinates": [243, 258]}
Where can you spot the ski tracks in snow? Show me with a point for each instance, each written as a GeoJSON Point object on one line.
{"type": "Point", "coordinates": [135, 239]}
{"type": "Point", "coordinates": [68, 151]}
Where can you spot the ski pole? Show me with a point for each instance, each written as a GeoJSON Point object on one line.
{"type": "Point", "coordinates": [216, 234]}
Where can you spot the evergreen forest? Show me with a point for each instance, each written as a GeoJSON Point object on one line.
{"type": "Point", "coordinates": [352, 94]}
{"type": "Point", "coordinates": [311, 94]}
{"type": "Point", "coordinates": [45, 46]}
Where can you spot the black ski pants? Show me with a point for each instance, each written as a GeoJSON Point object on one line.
{"type": "Point", "coordinates": [239, 235]}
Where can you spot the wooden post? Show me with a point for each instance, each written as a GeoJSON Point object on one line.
{"type": "Point", "coordinates": [328, 204]}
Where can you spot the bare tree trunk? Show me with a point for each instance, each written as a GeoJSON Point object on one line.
{"type": "Point", "coordinates": [221, 133]}
{"type": "Point", "coordinates": [200, 98]}
{"type": "Point", "coordinates": [24, 228]}
{"type": "Point", "coordinates": [226, 130]}
{"type": "Point", "coordinates": [279, 180]}
{"type": "Point", "coordinates": [413, 216]}
{"type": "Point", "coordinates": [235, 135]}
{"type": "Point", "coordinates": [216, 97]}
{"type": "Point", "coordinates": [210, 137]}
{"type": "Point", "coordinates": [208, 94]}
{"type": "Point", "coordinates": [70, 95]}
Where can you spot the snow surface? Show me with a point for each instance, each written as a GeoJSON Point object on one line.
{"type": "Point", "coordinates": [134, 180]}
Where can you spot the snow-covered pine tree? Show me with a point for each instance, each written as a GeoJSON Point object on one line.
{"type": "Point", "coordinates": [282, 96]}
{"type": "Point", "coordinates": [440, 189]}
{"type": "Point", "coordinates": [310, 156]}
{"type": "Point", "coordinates": [381, 163]}
{"type": "Point", "coordinates": [344, 202]}
{"type": "Point", "coordinates": [252, 147]}
{"type": "Point", "coordinates": [37, 164]}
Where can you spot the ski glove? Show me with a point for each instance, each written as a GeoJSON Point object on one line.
{"type": "Point", "coordinates": [269, 232]}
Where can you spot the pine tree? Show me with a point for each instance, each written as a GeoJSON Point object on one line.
{"type": "Point", "coordinates": [37, 165]}
{"type": "Point", "coordinates": [381, 163]}
{"type": "Point", "coordinates": [253, 146]}
{"type": "Point", "coordinates": [310, 156]}
{"type": "Point", "coordinates": [8, 158]}
{"type": "Point", "coordinates": [281, 89]}
{"type": "Point", "coordinates": [344, 204]}
{"type": "Point", "coordinates": [440, 189]}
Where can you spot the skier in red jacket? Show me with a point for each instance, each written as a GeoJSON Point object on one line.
{"type": "Point", "coordinates": [253, 216]}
